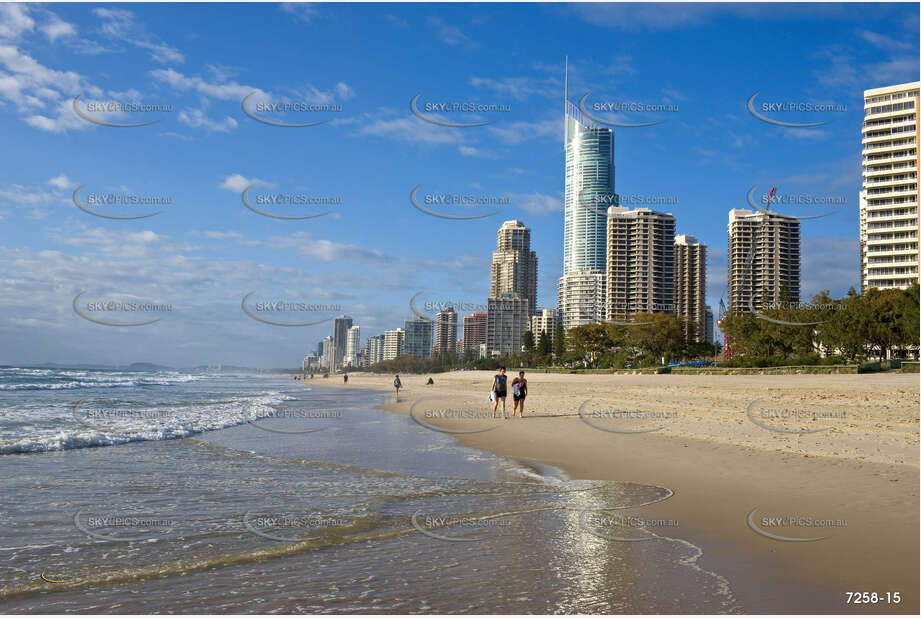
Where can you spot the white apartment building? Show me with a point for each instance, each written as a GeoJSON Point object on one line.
{"type": "Point", "coordinates": [581, 298]}
{"type": "Point", "coordinates": [352, 340]}
{"type": "Point", "coordinates": [393, 343]}
{"type": "Point", "coordinates": [889, 214]}
{"type": "Point", "coordinates": [544, 322]}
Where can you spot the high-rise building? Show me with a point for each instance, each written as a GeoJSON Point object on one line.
{"type": "Point", "coordinates": [375, 349]}
{"type": "Point", "coordinates": [889, 213]}
{"type": "Point", "coordinates": [507, 320]}
{"type": "Point", "coordinates": [641, 262]}
{"type": "Point", "coordinates": [544, 322]}
{"type": "Point", "coordinates": [418, 338]}
{"type": "Point", "coordinates": [329, 354]}
{"type": "Point", "coordinates": [581, 298]}
{"type": "Point", "coordinates": [691, 286]}
{"type": "Point", "coordinates": [764, 258]}
{"type": "Point", "coordinates": [474, 330]}
{"type": "Point", "coordinates": [588, 191]}
{"type": "Point", "coordinates": [393, 343]}
{"type": "Point", "coordinates": [445, 332]}
{"type": "Point", "coordinates": [514, 265]}
{"type": "Point", "coordinates": [341, 327]}
{"type": "Point", "coordinates": [352, 342]}
{"type": "Point", "coordinates": [708, 336]}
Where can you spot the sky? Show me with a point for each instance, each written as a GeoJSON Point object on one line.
{"type": "Point", "coordinates": [370, 250]}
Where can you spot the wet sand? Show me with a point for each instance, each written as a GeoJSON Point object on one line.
{"type": "Point", "coordinates": [724, 445]}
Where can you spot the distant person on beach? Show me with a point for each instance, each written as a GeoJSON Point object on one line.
{"type": "Point", "coordinates": [397, 385]}
{"type": "Point", "coordinates": [430, 382]}
{"type": "Point", "coordinates": [345, 378]}
{"type": "Point", "coordinates": [519, 392]}
{"type": "Point", "coordinates": [499, 382]}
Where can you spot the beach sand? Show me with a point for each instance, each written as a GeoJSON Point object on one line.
{"type": "Point", "coordinates": [713, 446]}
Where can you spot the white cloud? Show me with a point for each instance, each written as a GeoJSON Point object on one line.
{"type": "Point", "coordinates": [537, 203]}
{"type": "Point", "coordinates": [301, 11]}
{"type": "Point", "coordinates": [227, 91]}
{"type": "Point", "coordinates": [15, 20]}
{"type": "Point", "coordinates": [56, 28]}
{"type": "Point", "coordinates": [237, 183]}
{"type": "Point", "coordinates": [61, 181]}
{"type": "Point", "coordinates": [198, 118]}
{"type": "Point", "coordinates": [121, 25]}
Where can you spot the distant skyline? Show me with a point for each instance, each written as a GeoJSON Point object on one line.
{"type": "Point", "coordinates": [374, 250]}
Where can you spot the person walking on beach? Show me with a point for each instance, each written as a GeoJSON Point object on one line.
{"type": "Point", "coordinates": [345, 378]}
{"type": "Point", "coordinates": [499, 388]}
{"type": "Point", "coordinates": [519, 392]}
{"type": "Point", "coordinates": [397, 385]}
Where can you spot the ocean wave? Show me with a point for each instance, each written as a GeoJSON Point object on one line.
{"type": "Point", "coordinates": [187, 421]}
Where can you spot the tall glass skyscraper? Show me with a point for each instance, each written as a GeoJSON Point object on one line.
{"type": "Point", "coordinates": [588, 192]}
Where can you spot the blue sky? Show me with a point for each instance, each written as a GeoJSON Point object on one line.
{"type": "Point", "coordinates": [374, 251]}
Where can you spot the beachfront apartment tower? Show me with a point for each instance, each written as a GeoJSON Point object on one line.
{"type": "Point", "coordinates": [641, 262]}
{"type": "Point", "coordinates": [764, 258]}
{"type": "Point", "coordinates": [889, 213]}
{"type": "Point", "coordinates": [587, 192]}
{"type": "Point", "coordinates": [581, 298]}
{"type": "Point", "coordinates": [544, 322]}
{"type": "Point", "coordinates": [514, 265]}
{"type": "Point", "coordinates": [352, 344]}
{"type": "Point", "coordinates": [474, 330]}
{"type": "Point", "coordinates": [418, 337]}
{"type": "Point", "coordinates": [341, 327]}
{"type": "Point", "coordinates": [375, 349]}
{"type": "Point", "coordinates": [691, 286]}
{"type": "Point", "coordinates": [445, 332]}
{"type": "Point", "coordinates": [507, 320]}
{"type": "Point", "coordinates": [329, 353]}
{"type": "Point", "coordinates": [393, 343]}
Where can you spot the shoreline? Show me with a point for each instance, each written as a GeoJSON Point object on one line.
{"type": "Point", "coordinates": [721, 466]}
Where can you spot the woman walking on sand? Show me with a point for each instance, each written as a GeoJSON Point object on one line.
{"type": "Point", "coordinates": [519, 392]}
{"type": "Point", "coordinates": [397, 385]}
{"type": "Point", "coordinates": [499, 388]}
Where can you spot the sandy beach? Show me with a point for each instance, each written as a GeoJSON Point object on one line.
{"type": "Point", "coordinates": [843, 449]}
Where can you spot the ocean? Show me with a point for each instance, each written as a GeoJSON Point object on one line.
{"type": "Point", "coordinates": [195, 492]}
